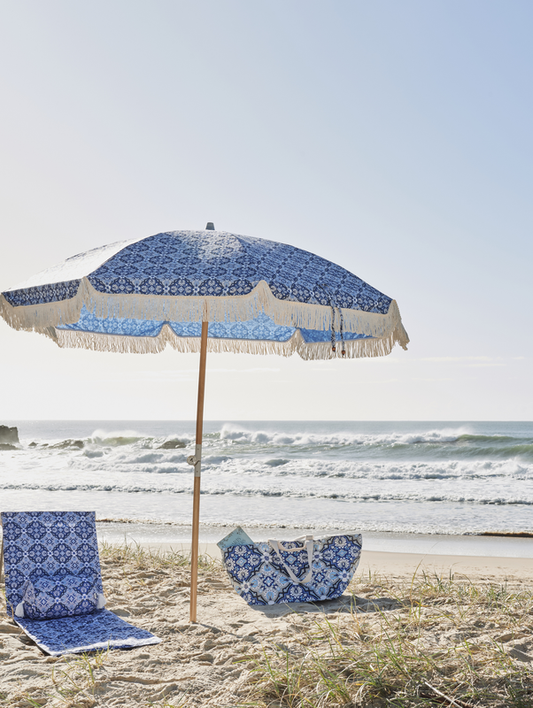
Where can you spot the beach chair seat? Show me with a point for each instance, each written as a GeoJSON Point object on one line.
{"type": "Point", "coordinates": [53, 584]}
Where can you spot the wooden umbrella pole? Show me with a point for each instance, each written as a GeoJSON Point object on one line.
{"type": "Point", "coordinates": [196, 460]}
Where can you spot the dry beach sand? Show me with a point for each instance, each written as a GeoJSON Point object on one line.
{"type": "Point", "coordinates": [470, 635]}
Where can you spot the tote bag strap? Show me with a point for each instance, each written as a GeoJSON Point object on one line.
{"type": "Point", "coordinates": [309, 537]}
{"type": "Point", "coordinates": [277, 546]}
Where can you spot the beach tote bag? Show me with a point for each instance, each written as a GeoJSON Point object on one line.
{"type": "Point", "coordinates": [303, 570]}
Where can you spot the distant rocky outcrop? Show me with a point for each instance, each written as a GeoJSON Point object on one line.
{"type": "Point", "coordinates": [172, 445]}
{"type": "Point", "coordinates": [9, 436]}
{"type": "Point", "coordinates": [8, 446]}
{"type": "Point", "coordinates": [68, 443]}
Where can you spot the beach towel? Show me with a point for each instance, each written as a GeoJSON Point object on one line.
{"type": "Point", "coordinates": [53, 584]}
{"type": "Point", "coordinates": [303, 570]}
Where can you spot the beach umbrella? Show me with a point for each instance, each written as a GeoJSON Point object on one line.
{"type": "Point", "coordinates": [206, 291]}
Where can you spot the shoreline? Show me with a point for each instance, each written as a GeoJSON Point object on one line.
{"type": "Point", "coordinates": [399, 557]}
{"type": "Point", "coordinates": [168, 536]}
{"type": "Point", "coordinates": [402, 566]}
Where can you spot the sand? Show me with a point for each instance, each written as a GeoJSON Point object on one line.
{"type": "Point", "coordinates": [211, 663]}
{"type": "Point", "coordinates": [515, 571]}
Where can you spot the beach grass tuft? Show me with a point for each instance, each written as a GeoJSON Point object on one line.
{"type": "Point", "coordinates": [407, 641]}
{"type": "Point", "coordinates": [133, 556]}
{"type": "Point", "coordinates": [447, 641]}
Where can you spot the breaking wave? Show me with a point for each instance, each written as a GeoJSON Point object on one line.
{"type": "Point", "coordinates": [453, 476]}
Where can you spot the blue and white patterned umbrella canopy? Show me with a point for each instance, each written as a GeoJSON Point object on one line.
{"type": "Point", "coordinates": [258, 296]}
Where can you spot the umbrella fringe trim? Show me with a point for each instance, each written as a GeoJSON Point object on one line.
{"type": "Point", "coordinates": [153, 345]}
{"type": "Point", "coordinates": [37, 317]}
{"type": "Point", "coordinates": [195, 308]}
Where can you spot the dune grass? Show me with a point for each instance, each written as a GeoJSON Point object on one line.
{"type": "Point", "coordinates": [447, 642]}
{"type": "Point", "coordinates": [431, 641]}
{"type": "Point", "coordinates": [134, 557]}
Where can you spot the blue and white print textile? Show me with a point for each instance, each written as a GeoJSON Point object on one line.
{"type": "Point", "coordinates": [47, 545]}
{"type": "Point", "coordinates": [259, 296]}
{"type": "Point", "coordinates": [268, 573]}
{"type": "Point", "coordinates": [98, 631]}
{"type": "Point", "coordinates": [59, 596]}
{"type": "Point", "coordinates": [53, 555]}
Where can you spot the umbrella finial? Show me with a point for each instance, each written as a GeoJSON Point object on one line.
{"type": "Point", "coordinates": [210, 226]}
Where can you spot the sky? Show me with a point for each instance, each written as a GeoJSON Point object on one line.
{"type": "Point", "coordinates": [393, 138]}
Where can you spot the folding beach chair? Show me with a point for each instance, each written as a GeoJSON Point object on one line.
{"type": "Point", "coordinates": [53, 584]}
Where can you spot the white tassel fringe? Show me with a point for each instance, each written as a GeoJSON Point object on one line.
{"type": "Point", "coordinates": [386, 330]}
{"type": "Point", "coordinates": [152, 345]}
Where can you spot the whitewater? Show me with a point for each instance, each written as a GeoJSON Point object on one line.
{"type": "Point", "coordinates": [418, 478]}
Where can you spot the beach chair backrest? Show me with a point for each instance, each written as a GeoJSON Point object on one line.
{"type": "Point", "coordinates": [47, 543]}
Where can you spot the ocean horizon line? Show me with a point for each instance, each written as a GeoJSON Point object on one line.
{"type": "Point", "coordinates": [8, 421]}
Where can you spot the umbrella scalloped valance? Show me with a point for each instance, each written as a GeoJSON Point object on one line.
{"type": "Point", "coordinates": [259, 296]}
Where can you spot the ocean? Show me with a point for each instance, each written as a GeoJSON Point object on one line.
{"type": "Point", "coordinates": [402, 478]}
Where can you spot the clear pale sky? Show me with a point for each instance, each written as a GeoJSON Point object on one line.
{"type": "Point", "coordinates": [394, 138]}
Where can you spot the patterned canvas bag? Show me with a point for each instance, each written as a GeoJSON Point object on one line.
{"type": "Point", "coordinates": [303, 570]}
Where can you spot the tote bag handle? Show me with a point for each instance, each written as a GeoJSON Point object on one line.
{"type": "Point", "coordinates": [277, 546]}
